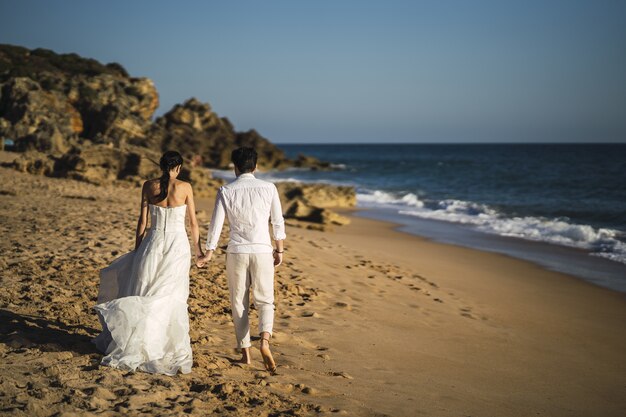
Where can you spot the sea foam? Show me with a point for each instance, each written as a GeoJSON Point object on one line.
{"type": "Point", "coordinates": [599, 241]}
{"type": "Point", "coordinates": [383, 197]}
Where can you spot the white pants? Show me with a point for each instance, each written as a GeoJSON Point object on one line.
{"type": "Point", "coordinates": [245, 270]}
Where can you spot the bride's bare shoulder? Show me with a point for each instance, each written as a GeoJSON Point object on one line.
{"type": "Point", "coordinates": [181, 183]}
{"type": "Point", "coordinates": [151, 185]}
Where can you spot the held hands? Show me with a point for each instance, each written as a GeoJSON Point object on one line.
{"type": "Point", "coordinates": [203, 259]}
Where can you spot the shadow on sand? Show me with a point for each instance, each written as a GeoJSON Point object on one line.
{"type": "Point", "coordinates": [25, 331]}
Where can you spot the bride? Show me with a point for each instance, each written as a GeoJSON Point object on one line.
{"type": "Point", "coordinates": [142, 301]}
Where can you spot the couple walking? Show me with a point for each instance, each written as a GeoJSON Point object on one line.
{"type": "Point", "coordinates": [142, 300]}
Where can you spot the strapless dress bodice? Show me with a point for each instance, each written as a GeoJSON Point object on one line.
{"type": "Point", "coordinates": [167, 219]}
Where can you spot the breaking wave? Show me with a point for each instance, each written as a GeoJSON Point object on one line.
{"type": "Point", "coordinates": [599, 241]}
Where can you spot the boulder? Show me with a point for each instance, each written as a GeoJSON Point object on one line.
{"type": "Point", "coordinates": [303, 161]}
{"type": "Point", "coordinates": [312, 202]}
{"type": "Point", "coordinates": [35, 162]}
{"type": "Point", "coordinates": [331, 217]}
{"type": "Point", "coordinates": [300, 210]}
{"type": "Point", "coordinates": [99, 163]}
{"type": "Point", "coordinates": [318, 195]}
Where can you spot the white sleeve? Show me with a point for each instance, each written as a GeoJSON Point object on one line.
{"type": "Point", "coordinates": [276, 217]}
{"type": "Point", "coordinates": [217, 222]}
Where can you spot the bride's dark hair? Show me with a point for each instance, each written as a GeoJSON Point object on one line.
{"type": "Point", "coordinates": [169, 161]}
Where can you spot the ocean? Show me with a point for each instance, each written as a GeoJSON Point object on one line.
{"type": "Point", "coordinates": [548, 203]}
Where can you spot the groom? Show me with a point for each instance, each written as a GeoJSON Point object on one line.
{"type": "Point", "coordinates": [249, 203]}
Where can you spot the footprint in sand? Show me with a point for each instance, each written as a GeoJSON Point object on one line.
{"type": "Point", "coordinates": [341, 374]}
{"type": "Point", "coordinates": [341, 304]}
{"type": "Point", "coordinates": [466, 312]}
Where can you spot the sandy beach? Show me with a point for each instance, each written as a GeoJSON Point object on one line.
{"type": "Point", "coordinates": [369, 322]}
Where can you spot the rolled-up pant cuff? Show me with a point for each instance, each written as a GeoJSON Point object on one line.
{"type": "Point", "coordinates": [244, 344]}
{"type": "Point", "coordinates": [265, 329]}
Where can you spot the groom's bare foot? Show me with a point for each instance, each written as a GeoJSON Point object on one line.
{"type": "Point", "coordinates": [266, 353]}
{"type": "Point", "coordinates": [245, 357]}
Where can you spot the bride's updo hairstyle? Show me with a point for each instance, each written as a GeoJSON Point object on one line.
{"type": "Point", "coordinates": [169, 161]}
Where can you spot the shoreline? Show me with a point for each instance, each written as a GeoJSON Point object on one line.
{"type": "Point", "coordinates": [598, 271]}
{"type": "Point", "coordinates": [397, 227]}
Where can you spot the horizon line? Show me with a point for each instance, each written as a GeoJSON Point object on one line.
{"type": "Point", "coordinates": [448, 143]}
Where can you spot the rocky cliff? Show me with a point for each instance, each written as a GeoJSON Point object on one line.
{"type": "Point", "coordinates": [74, 117]}
{"type": "Point", "coordinates": [54, 103]}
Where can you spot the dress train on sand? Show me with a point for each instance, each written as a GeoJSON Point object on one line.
{"type": "Point", "coordinates": [142, 300]}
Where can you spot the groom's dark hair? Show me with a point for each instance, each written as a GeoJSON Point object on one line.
{"type": "Point", "coordinates": [244, 159]}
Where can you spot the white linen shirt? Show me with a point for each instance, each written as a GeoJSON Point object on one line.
{"type": "Point", "coordinates": [249, 203]}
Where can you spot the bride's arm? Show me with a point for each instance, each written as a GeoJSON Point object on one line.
{"type": "Point", "coordinates": [193, 223]}
{"type": "Point", "coordinates": [143, 216]}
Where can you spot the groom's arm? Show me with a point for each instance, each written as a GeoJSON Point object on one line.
{"type": "Point", "coordinates": [278, 227]}
{"type": "Point", "coordinates": [217, 222]}
{"type": "Point", "coordinates": [277, 220]}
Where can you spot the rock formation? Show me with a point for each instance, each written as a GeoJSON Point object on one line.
{"type": "Point", "coordinates": [198, 133]}
{"type": "Point", "coordinates": [52, 103]}
{"type": "Point", "coordinates": [313, 202]}
{"type": "Point", "coordinates": [99, 163]}
{"type": "Point", "coordinates": [318, 195]}
{"type": "Point", "coordinates": [74, 117]}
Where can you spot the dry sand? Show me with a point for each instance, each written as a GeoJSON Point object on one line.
{"type": "Point", "coordinates": [369, 322]}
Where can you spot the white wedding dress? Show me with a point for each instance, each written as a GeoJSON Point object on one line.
{"type": "Point", "coordinates": [142, 301]}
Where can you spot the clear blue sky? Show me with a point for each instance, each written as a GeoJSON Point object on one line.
{"type": "Point", "coordinates": [362, 71]}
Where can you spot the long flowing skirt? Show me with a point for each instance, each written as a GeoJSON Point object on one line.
{"type": "Point", "coordinates": [142, 306]}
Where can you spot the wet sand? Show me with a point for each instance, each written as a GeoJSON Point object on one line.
{"type": "Point", "coordinates": [369, 321]}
